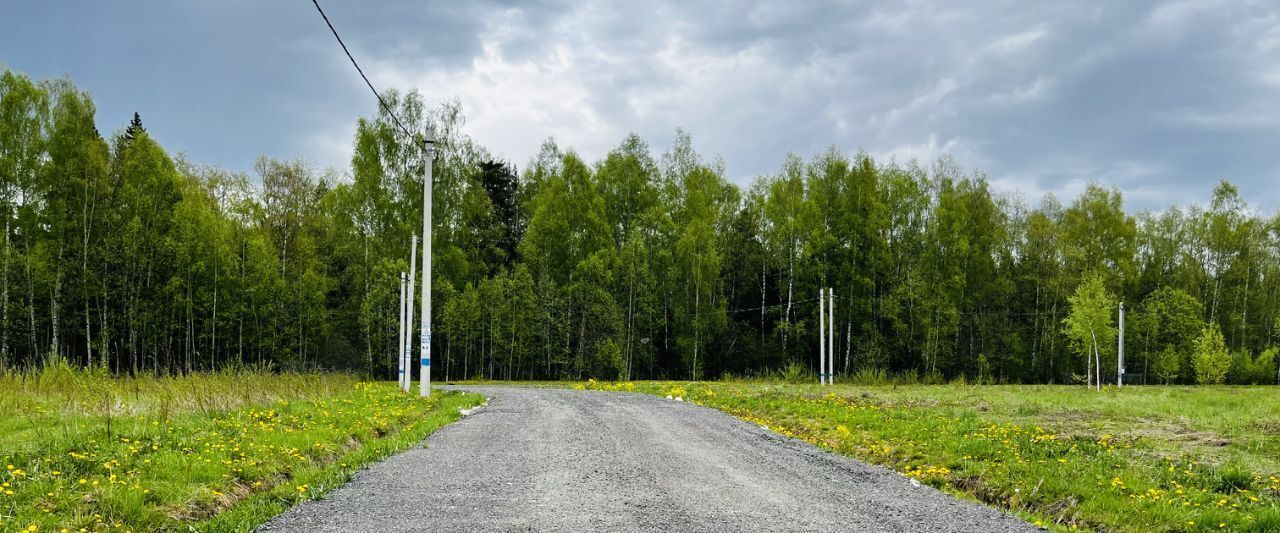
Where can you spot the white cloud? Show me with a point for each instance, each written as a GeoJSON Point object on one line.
{"type": "Point", "coordinates": [1036, 90]}
{"type": "Point", "coordinates": [1018, 42]}
{"type": "Point", "coordinates": [927, 102]}
{"type": "Point", "coordinates": [922, 153]}
{"type": "Point", "coordinates": [1261, 115]}
{"type": "Point", "coordinates": [1040, 98]}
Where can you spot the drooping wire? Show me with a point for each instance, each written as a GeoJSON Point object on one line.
{"type": "Point", "coordinates": [767, 307]}
{"type": "Point", "coordinates": [385, 107]}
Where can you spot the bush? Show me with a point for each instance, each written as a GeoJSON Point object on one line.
{"type": "Point", "coordinates": [1211, 361]}
{"type": "Point", "coordinates": [932, 378]}
{"type": "Point", "coordinates": [612, 365]}
{"type": "Point", "coordinates": [984, 370]}
{"type": "Point", "coordinates": [1264, 367]}
{"type": "Point", "coordinates": [1241, 372]}
{"type": "Point", "coordinates": [1167, 364]}
{"type": "Point", "coordinates": [1249, 370]}
{"type": "Point", "coordinates": [870, 376]}
{"type": "Point", "coordinates": [797, 373]}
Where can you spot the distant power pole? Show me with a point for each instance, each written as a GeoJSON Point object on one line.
{"type": "Point", "coordinates": [822, 340]}
{"type": "Point", "coordinates": [430, 150]}
{"type": "Point", "coordinates": [1120, 351]}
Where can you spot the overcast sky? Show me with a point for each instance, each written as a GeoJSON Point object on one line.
{"type": "Point", "coordinates": [1158, 98]}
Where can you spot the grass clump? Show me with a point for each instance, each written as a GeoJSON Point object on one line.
{"type": "Point", "coordinates": [225, 451]}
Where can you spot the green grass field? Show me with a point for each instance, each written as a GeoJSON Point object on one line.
{"type": "Point", "coordinates": [1136, 459]}
{"type": "Point", "coordinates": [217, 452]}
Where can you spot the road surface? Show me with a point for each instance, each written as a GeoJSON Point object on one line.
{"type": "Point", "coordinates": [564, 460]}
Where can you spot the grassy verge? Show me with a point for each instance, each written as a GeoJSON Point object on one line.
{"type": "Point", "coordinates": [219, 452]}
{"type": "Point", "coordinates": [1137, 459]}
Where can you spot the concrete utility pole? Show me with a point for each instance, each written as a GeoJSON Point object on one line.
{"type": "Point", "coordinates": [1120, 351]}
{"type": "Point", "coordinates": [831, 336]}
{"type": "Point", "coordinates": [430, 150]}
{"type": "Point", "coordinates": [408, 336]}
{"type": "Point", "coordinates": [400, 340]}
{"type": "Point", "coordinates": [822, 340]}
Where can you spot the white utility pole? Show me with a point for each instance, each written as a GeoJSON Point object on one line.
{"type": "Point", "coordinates": [822, 341]}
{"type": "Point", "coordinates": [408, 336]}
{"type": "Point", "coordinates": [401, 338]}
{"type": "Point", "coordinates": [831, 336]}
{"type": "Point", "coordinates": [1120, 351]}
{"type": "Point", "coordinates": [430, 150]}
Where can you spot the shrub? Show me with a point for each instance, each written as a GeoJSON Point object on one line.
{"type": "Point", "coordinates": [1252, 370]}
{"type": "Point", "coordinates": [1264, 367]}
{"type": "Point", "coordinates": [870, 376]}
{"type": "Point", "coordinates": [1211, 361]}
{"type": "Point", "coordinates": [984, 370]}
{"type": "Point", "coordinates": [796, 373]}
{"type": "Point", "coordinates": [612, 365]}
{"type": "Point", "coordinates": [1167, 364]}
{"type": "Point", "coordinates": [1241, 372]}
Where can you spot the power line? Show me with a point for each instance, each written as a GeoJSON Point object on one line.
{"type": "Point", "coordinates": [733, 311]}
{"type": "Point", "coordinates": [385, 107]}
{"type": "Point", "coordinates": [793, 302]}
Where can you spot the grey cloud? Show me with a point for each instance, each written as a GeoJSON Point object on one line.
{"type": "Point", "coordinates": [1159, 98]}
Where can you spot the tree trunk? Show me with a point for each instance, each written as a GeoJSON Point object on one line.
{"type": "Point", "coordinates": [4, 297]}
{"type": "Point", "coordinates": [1244, 306]}
{"type": "Point", "coordinates": [631, 289]}
{"type": "Point", "coordinates": [86, 216]}
{"type": "Point", "coordinates": [697, 332]}
{"type": "Point", "coordinates": [54, 306]}
{"type": "Point", "coordinates": [791, 283]}
{"type": "Point", "coordinates": [213, 343]}
{"type": "Point", "coordinates": [763, 305]}
{"type": "Point", "coordinates": [1088, 363]}
{"type": "Point", "coordinates": [104, 329]}
{"type": "Point", "coordinates": [31, 305]}
{"type": "Point", "coordinates": [848, 334]}
{"type": "Point", "coordinates": [1035, 329]}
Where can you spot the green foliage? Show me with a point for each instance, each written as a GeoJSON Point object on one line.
{"type": "Point", "coordinates": [1089, 326]}
{"type": "Point", "coordinates": [612, 366]}
{"type": "Point", "coordinates": [796, 373]}
{"type": "Point", "coordinates": [1211, 361]}
{"type": "Point", "coordinates": [870, 376]}
{"type": "Point", "coordinates": [116, 253]}
{"type": "Point", "coordinates": [1167, 365]}
{"type": "Point", "coordinates": [1247, 369]}
{"type": "Point", "coordinates": [1165, 327]}
{"type": "Point", "coordinates": [1265, 370]}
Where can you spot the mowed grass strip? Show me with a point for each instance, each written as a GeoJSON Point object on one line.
{"type": "Point", "coordinates": [1134, 459]}
{"type": "Point", "coordinates": [219, 452]}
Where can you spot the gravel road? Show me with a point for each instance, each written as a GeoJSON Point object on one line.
{"type": "Point", "coordinates": [564, 460]}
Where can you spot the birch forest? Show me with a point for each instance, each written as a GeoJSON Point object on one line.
{"type": "Point", "coordinates": [644, 264]}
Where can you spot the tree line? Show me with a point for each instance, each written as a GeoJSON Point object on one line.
{"type": "Point", "coordinates": [638, 265]}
